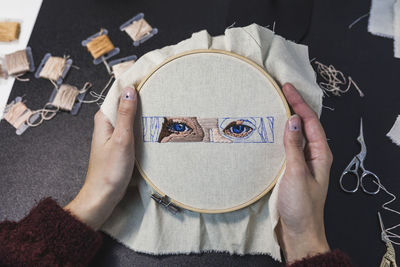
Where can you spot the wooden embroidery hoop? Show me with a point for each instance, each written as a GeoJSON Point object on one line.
{"type": "Point", "coordinates": [288, 113]}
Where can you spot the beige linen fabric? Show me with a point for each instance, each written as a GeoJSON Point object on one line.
{"type": "Point", "coordinates": [394, 133]}
{"type": "Point", "coordinates": [210, 85]}
{"type": "Point", "coordinates": [143, 225]}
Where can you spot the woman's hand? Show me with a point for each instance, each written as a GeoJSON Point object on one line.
{"type": "Point", "coordinates": [111, 164]}
{"type": "Point", "coordinates": [303, 188]}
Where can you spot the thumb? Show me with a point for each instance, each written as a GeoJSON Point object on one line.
{"type": "Point", "coordinates": [293, 141]}
{"type": "Point", "coordinates": [126, 112]}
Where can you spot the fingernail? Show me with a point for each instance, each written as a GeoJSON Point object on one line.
{"type": "Point", "coordinates": [294, 123]}
{"type": "Point", "coordinates": [128, 94]}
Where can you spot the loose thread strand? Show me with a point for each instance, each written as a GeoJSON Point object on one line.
{"type": "Point", "coordinates": [389, 231]}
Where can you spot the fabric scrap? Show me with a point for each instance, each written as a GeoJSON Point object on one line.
{"type": "Point", "coordinates": [381, 18]}
{"type": "Point", "coordinates": [143, 225]}
{"type": "Point", "coordinates": [396, 29]}
{"type": "Point", "coordinates": [394, 133]}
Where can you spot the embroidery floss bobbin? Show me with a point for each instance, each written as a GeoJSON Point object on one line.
{"type": "Point", "coordinates": [19, 62]}
{"type": "Point", "coordinates": [138, 29]}
{"type": "Point", "coordinates": [9, 31]}
{"type": "Point", "coordinates": [120, 65]}
{"type": "Point", "coordinates": [54, 68]}
{"type": "Point", "coordinates": [17, 114]}
{"type": "Point", "coordinates": [100, 47]}
{"type": "Point", "coordinates": [69, 97]}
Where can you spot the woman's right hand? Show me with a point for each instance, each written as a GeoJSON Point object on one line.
{"type": "Point", "coordinates": [303, 188]}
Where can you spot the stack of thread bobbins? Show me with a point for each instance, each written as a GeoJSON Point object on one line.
{"type": "Point", "coordinates": [65, 97]}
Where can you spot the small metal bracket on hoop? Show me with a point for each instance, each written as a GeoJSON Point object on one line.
{"type": "Point", "coordinates": [166, 202]}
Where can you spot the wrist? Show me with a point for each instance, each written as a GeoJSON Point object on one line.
{"type": "Point", "coordinates": [297, 246]}
{"type": "Point", "coordinates": [92, 207]}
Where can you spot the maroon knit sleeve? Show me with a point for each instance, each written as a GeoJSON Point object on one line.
{"type": "Point", "coordinates": [47, 236]}
{"type": "Point", "coordinates": [329, 259]}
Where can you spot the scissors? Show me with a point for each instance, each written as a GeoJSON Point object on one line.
{"type": "Point", "coordinates": [389, 258]}
{"type": "Point", "coordinates": [354, 167]}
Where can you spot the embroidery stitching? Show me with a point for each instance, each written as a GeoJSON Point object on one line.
{"type": "Point", "coordinates": [159, 129]}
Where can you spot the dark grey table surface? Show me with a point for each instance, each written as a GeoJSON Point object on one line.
{"type": "Point", "coordinates": [51, 160]}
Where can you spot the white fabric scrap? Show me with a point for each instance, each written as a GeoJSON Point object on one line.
{"type": "Point", "coordinates": [145, 226]}
{"type": "Point", "coordinates": [396, 28]}
{"type": "Point", "coordinates": [394, 133]}
{"type": "Point", "coordinates": [381, 18]}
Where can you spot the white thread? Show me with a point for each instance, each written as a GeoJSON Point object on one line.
{"type": "Point", "coordinates": [233, 24]}
{"type": "Point", "coordinates": [330, 108]}
{"type": "Point", "coordinates": [357, 20]}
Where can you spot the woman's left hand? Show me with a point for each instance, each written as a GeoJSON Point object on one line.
{"type": "Point", "coordinates": [111, 164]}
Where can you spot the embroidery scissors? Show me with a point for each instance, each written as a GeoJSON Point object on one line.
{"type": "Point", "coordinates": [354, 167]}
{"type": "Point", "coordinates": [389, 258]}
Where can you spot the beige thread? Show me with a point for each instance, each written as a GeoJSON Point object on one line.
{"type": "Point", "coordinates": [98, 96]}
{"type": "Point", "coordinates": [17, 64]}
{"type": "Point", "coordinates": [54, 68]}
{"type": "Point", "coordinates": [64, 100]}
{"type": "Point", "coordinates": [66, 96]}
{"type": "Point", "coordinates": [138, 29]}
{"type": "Point", "coordinates": [334, 79]}
{"type": "Point", "coordinates": [18, 114]}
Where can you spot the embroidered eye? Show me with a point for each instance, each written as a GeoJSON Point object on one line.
{"type": "Point", "coordinates": [238, 129]}
{"type": "Point", "coordinates": [178, 127]}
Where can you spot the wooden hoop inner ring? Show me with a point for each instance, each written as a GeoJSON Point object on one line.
{"type": "Point", "coordinates": [288, 113]}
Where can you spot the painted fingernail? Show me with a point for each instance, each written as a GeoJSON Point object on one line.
{"type": "Point", "coordinates": [128, 94]}
{"type": "Point", "coordinates": [294, 123]}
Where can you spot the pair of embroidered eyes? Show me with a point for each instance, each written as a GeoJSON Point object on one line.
{"type": "Point", "coordinates": [234, 129]}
